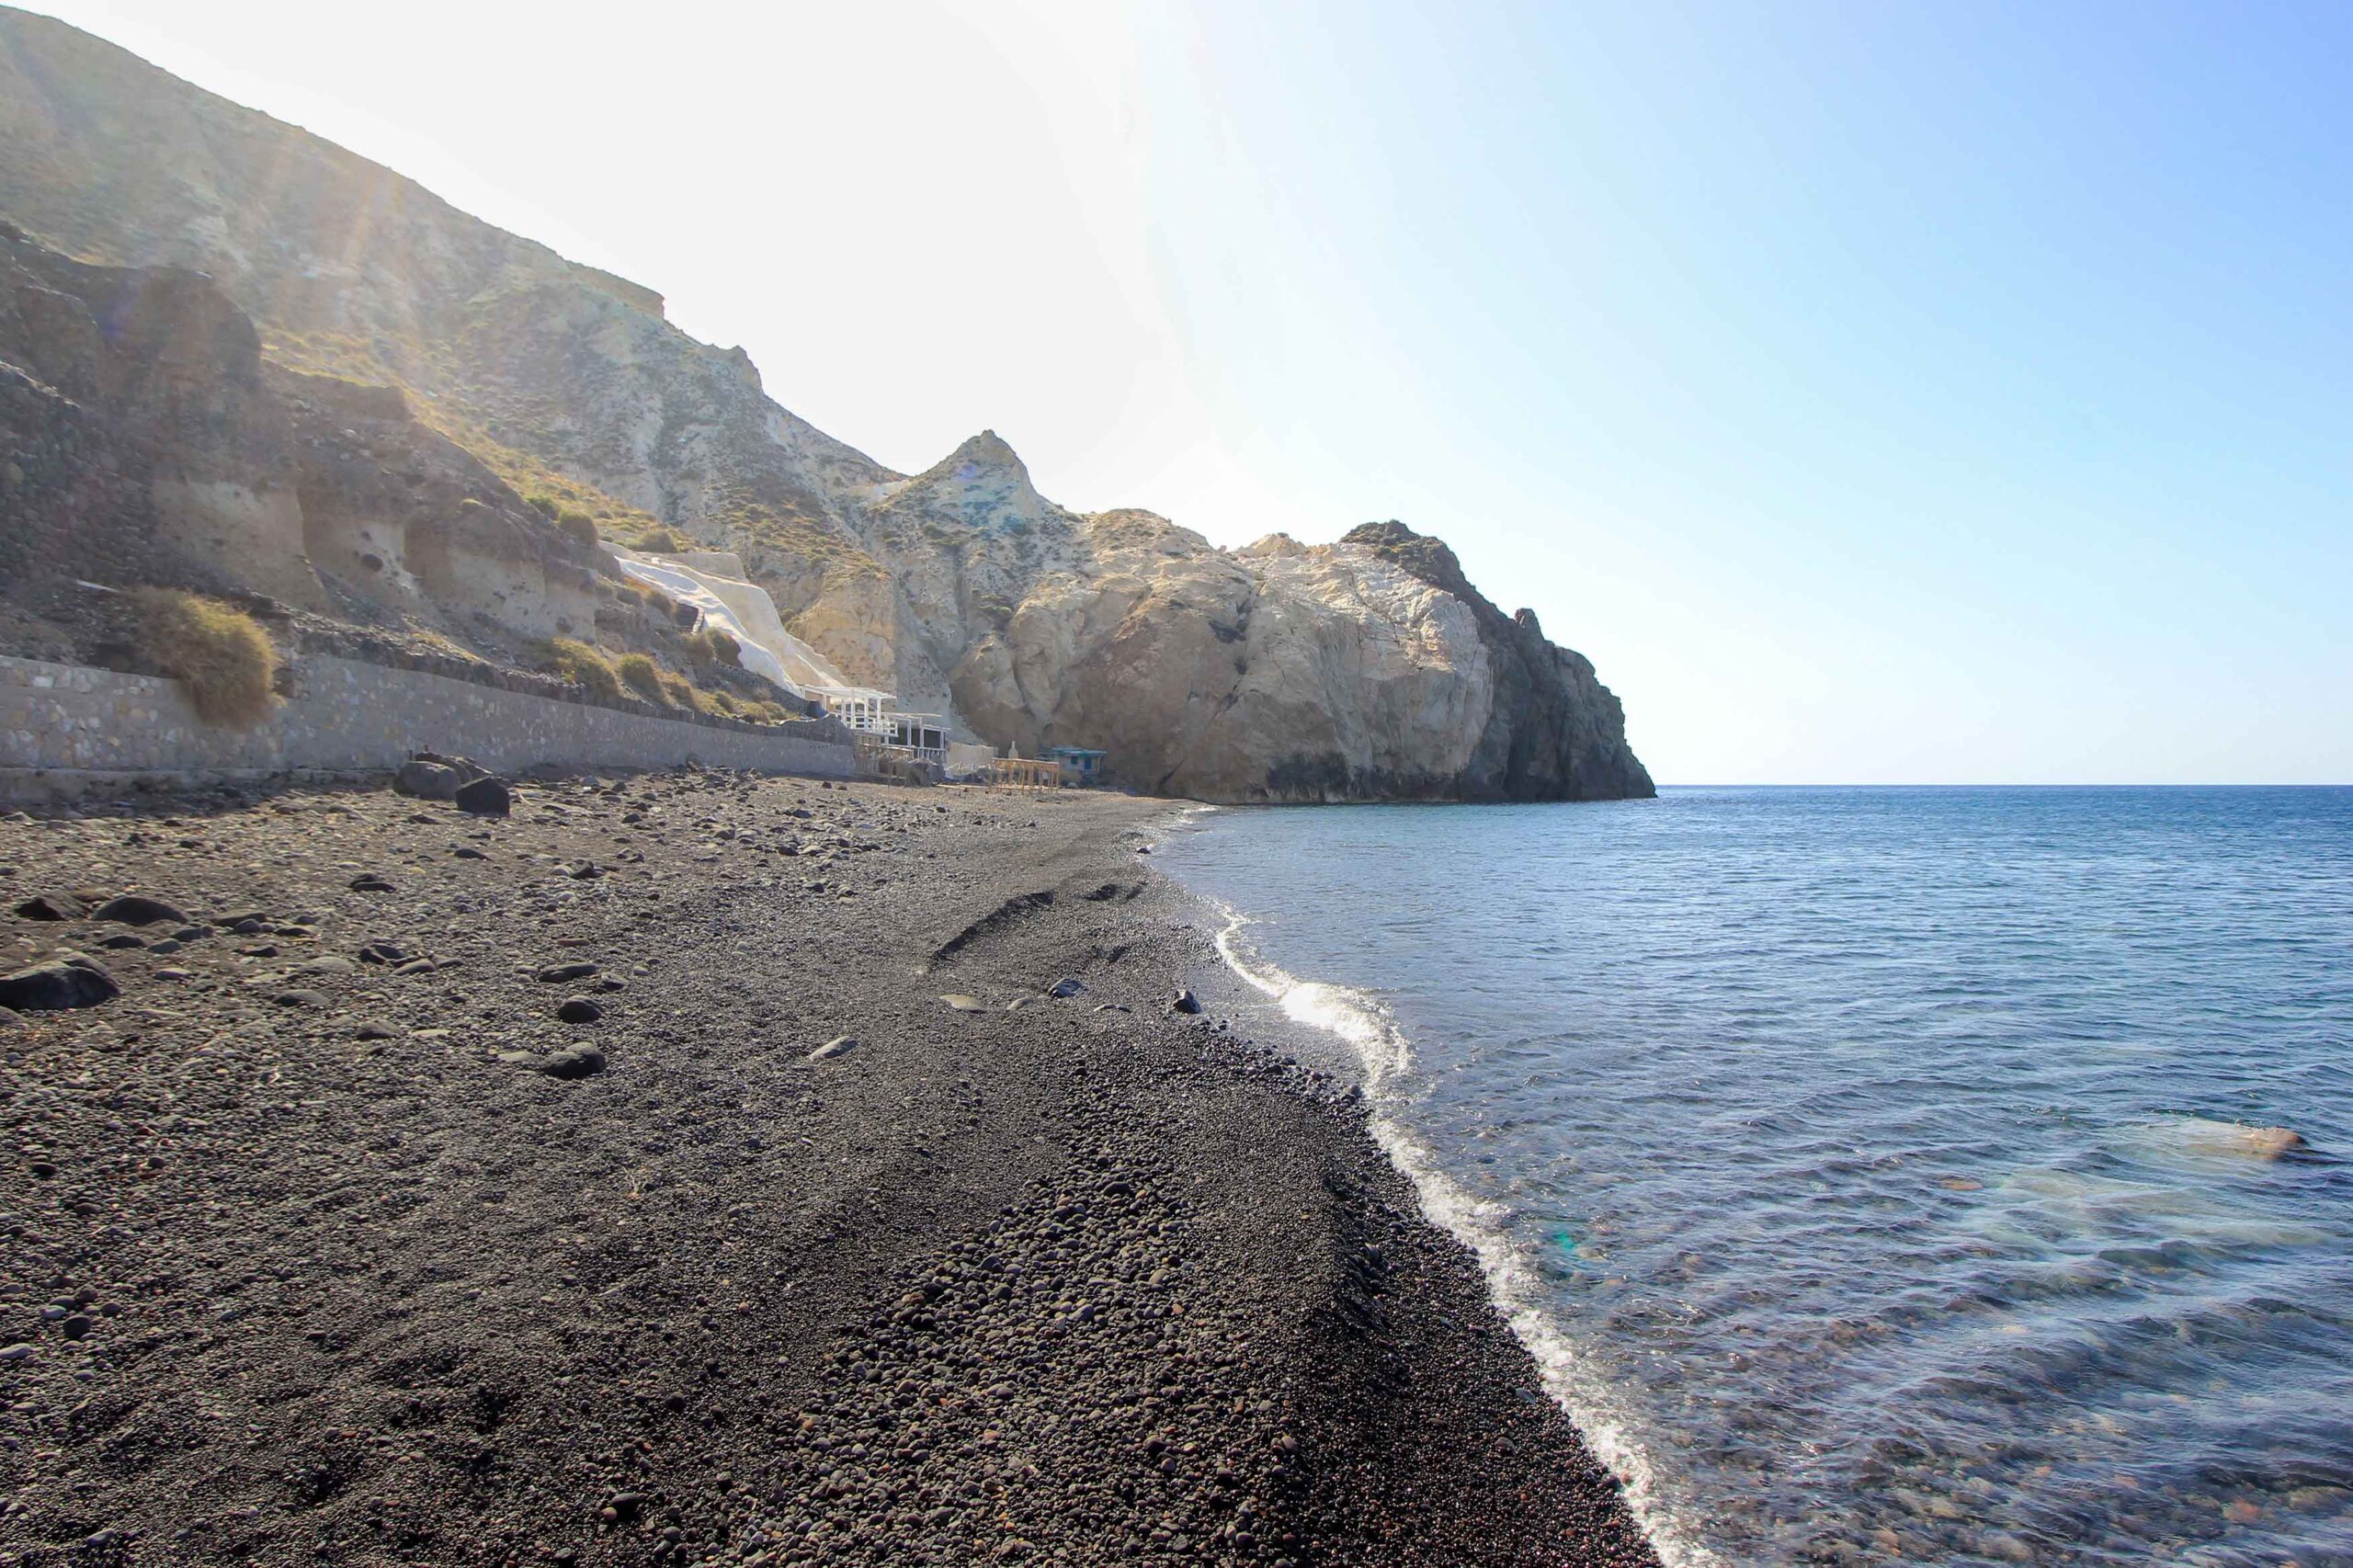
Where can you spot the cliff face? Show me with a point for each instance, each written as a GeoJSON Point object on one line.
{"type": "Point", "coordinates": [144, 439]}
{"type": "Point", "coordinates": [1368, 669]}
{"type": "Point", "coordinates": [1554, 733]}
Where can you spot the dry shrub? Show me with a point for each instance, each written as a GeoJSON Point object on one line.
{"type": "Point", "coordinates": [584, 665]}
{"type": "Point", "coordinates": [641, 675]}
{"type": "Point", "coordinates": [710, 646]}
{"type": "Point", "coordinates": [680, 692]}
{"type": "Point", "coordinates": [219, 652]}
{"type": "Point", "coordinates": [447, 646]}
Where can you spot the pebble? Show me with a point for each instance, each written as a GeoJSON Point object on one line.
{"type": "Point", "coordinates": [578, 1010]}
{"type": "Point", "coordinates": [301, 998]}
{"type": "Point", "coordinates": [557, 973]}
{"type": "Point", "coordinates": [964, 1004]}
{"type": "Point", "coordinates": [573, 1062]}
{"type": "Point", "coordinates": [840, 1045]}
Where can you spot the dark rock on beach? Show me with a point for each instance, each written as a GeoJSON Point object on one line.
{"type": "Point", "coordinates": [427, 780]}
{"type": "Point", "coordinates": [485, 798]}
{"type": "Point", "coordinates": [136, 909]}
{"type": "Point", "coordinates": [573, 1062]}
{"type": "Point", "coordinates": [60, 986]}
{"type": "Point", "coordinates": [51, 906]}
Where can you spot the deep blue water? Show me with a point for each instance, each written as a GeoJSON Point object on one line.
{"type": "Point", "coordinates": [1867, 1167]}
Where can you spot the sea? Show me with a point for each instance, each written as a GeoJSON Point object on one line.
{"type": "Point", "coordinates": [1877, 1175]}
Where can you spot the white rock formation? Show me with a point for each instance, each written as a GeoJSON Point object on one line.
{"type": "Point", "coordinates": [713, 581]}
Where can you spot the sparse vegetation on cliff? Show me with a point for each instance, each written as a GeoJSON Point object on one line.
{"type": "Point", "coordinates": [585, 666]}
{"type": "Point", "coordinates": [219, 652]}
{"type": "Point", "coordinates": [710, 647]}
{"type": "Point", "coordinates": [641, 675]}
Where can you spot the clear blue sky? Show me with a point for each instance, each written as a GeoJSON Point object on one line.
{"type": "Point", "coordinates": [1877, 391]}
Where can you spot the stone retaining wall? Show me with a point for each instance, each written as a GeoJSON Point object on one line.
{"type": "Point", "coordinates": [59, 721]}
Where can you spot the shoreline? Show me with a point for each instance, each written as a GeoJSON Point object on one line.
{"type": "Point", "coordinates": [1078, 1279]}
{"type": "Point", "coordinates": [1326, 1022]}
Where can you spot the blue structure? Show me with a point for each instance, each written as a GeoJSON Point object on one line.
{"type": "Point", "coordinates": [1081, 766]}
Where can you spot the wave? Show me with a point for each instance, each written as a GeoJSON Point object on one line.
{"type": "Point", "coordinates": [1513, 1282]}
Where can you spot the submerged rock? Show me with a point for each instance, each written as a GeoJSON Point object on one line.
{"type": "Point", "coordinates": [2202, 1137]}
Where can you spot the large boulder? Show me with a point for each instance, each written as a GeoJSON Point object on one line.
{"type": "Point", "coordinates": [137, 909]}
{"type": "Point", "coordinates": [53, 906]}
{"type": "Point", "coordinates": [485, 798]}
{"type": "Point", "coordinates": [427, 780]}
{"type": "Point", "coordinates": [65, 981]}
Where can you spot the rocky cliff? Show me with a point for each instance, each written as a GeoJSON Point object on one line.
{"type": "Point", "coordinates": [144, 439]}
{"type": "Point", "coordinates": [1366, 669]}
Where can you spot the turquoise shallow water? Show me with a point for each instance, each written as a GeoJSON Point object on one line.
{"type": "Point", "coordinates": [1863, 1165]}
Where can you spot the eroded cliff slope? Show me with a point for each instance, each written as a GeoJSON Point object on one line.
{"type": "Point", "coordinates": [1365, 669]}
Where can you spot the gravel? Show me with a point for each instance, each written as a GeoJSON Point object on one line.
{"type": "Point", "coordinates": [345, 1281]}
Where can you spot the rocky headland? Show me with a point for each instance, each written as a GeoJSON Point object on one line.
{"type": "Point", "coordinates": [696, 1168]}
{"type": "Point", "coordinates": [454, 389]}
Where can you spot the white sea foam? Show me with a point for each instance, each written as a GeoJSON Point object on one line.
{"type": "Point", "coordinates": [1513, 1282]}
